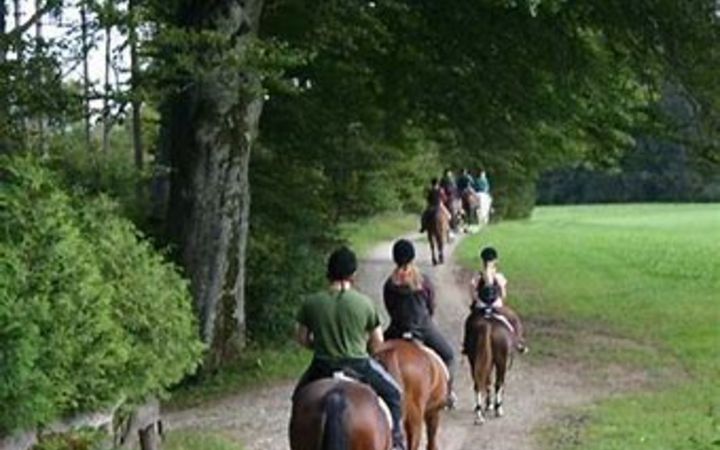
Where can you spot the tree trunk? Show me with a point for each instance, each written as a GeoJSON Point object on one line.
{"type": "Point", "coordinates": [209, 130]}
{"type": "Point", "coordinates": [134, 87]}
{"type": "Point", "coordinates": [18, 22]}
{"type": "Point", "coordinates": [86, 72]}
{"type": "Point", "coordinates": [106, 89]}
{"type": "Point", "coordinates": [3, 30]}
{"type": "Point", "coordinates": [38, 48]}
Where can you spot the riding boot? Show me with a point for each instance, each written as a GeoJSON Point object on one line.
{"type": "Point", "coordinates": [451, 401]}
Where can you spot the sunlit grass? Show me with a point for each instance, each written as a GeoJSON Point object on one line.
{"type": "Point", "coordinates": [362, 235]}
{"type": "Point", "coordinates": [650, 273]}
{"type": "Point", "coordinates": [197, 440]}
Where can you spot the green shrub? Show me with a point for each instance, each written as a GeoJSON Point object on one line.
{"type": "Point", "coordinates": [89, 312]}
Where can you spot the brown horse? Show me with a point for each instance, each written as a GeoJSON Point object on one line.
{"type": "Point", "coordinates": [489, 347]}
{"type": "Point", "coordinates": [332, 414]}
{"type": "Point", "coordinates": [438, 228]}
{"type": "Point", "coordinates": [424, 379]}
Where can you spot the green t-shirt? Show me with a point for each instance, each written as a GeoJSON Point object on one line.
{"type": "Point", "coordinates": [340, 323]}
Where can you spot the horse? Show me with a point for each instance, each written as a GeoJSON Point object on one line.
{"type": "Point", "coordinates": [477, 206]}
{"type": "Point", "coordinates": [438, 228]}
{"type": "Point", "coordinates": [336, 414]}
{"type": "Point", "coordinates": [454, 205]}
{"type": "Point", "coordinates": [485, 205]}
{"type": "Point", "coordinates": [490, 346]}
{"type": "Point", "coordinates": [424, 379]}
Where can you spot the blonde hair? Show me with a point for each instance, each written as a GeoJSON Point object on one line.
{"type": "Point", "coordinates": [408, 274]}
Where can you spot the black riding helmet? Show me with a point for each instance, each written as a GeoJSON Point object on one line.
{"type": "Point", "coordinates": [488, 254]}
{"type": "Point", "coordinates": [403, 252]}
{"type": "Point", "coordinates": [341, 264]}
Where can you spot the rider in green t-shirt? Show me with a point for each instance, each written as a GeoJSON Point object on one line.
{"type": "Point", "coordinates": [338, 324]}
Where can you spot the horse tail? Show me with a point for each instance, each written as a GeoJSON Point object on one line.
{"type": "Point", "coordinates": [487, 342]}
{"type": "Point", "coordinates": [484, 358]}
{"type": "Point", "coordinates": [334, 436]}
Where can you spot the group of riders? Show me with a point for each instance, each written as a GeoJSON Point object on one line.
{"type": "Point", "coordinates": [340, 324]}
{"type": "Point", "coordinates": [449, 191]}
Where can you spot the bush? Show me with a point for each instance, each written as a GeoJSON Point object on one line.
{"type": "Point", "coordinates": [89, 312]}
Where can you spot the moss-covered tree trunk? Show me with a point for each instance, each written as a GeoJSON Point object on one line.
{"type": "Point", "coordinates": [210, 127]}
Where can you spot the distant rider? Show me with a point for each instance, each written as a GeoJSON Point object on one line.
{"type": "Point", "coordinates": [435, 199]}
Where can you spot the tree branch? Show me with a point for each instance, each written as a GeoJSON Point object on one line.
{"type": "Point", "coordinates": [20, 29]}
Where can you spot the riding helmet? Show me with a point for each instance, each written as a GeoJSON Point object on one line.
{"type": "Point", "coordinates": [488, 254]}
{"type": "Point", "coordinates": [341, 264]}
{"type": "Point", "coordinates": [403, 252]}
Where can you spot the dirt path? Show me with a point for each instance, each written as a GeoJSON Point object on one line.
{"type": "Point", "coordinates": [539, 390]}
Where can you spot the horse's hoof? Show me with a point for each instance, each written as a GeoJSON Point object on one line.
{"type": "Point", "coordinates": [479, 420]}
{"type": "Point", "coordinates": [499, 412]}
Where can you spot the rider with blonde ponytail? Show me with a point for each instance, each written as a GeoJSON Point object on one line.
{"type": "Point", "coordinates": [410, 301]}
{"type": "Point", "coordinates": [489, 290]}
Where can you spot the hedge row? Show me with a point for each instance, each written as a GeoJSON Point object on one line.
{"type": "Point", "coordinates": [89, 311]}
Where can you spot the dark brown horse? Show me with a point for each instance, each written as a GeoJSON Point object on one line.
{"type": "Point", "coordinates": [331, 414]}
{"type": "Point", "coordinates": [490, 347]}
{"type": "Point", "coordinates": [438, 228]}
{"type": "Point", "coordinates": [424, 380]}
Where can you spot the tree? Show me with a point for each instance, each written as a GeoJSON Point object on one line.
{"type": "Point", "coordinates": [209, 126]}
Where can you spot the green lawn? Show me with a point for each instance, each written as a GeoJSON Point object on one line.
{"type": "Point", "coordinates": [197, 440]}
{"type": "Point", "coordinates": [648, 273]}
{"type": "Point", "coordinates": [364, 234]}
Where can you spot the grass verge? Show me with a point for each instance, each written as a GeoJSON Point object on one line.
{"type": "Point", "coordinates": [648, 275]}
{"type": "Point", "coordinates": [196, 440]}
{"type": "Point", "coordinates": [256, 367]}
{"type": "Point", "coordinates": [364, 234]}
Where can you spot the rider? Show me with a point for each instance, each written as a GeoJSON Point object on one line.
{"type": "Point", "coordinates": [435, 198]}
{"type": "Point", "coordinates": [489, 289]}
{"type": "Point", "coordinates": [480, 183]}
{"type": "Point", "coordinates": [410, 301]}
{"type": "Point", "coordinates": [338, 324]}
{"type": "Point", "coordinates": [448, 185]}
{"type": "Point", "coordinates": [464, 181]}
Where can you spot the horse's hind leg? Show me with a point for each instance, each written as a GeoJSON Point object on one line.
{"type": "Point", "coordinates": [413, 427]}
{"type": "Point", "coordinates": [441, 247]}
{"type": "Point", "coordinates": [481, 386]}
{"type": "Point", "coordinates": [432, 248]}
{"type": "Point", "coordinates": [479, 413]}
{"type": "Point", "coordinates": [500, 370]}
{"type": "Point", "coordinates": [432, 423]}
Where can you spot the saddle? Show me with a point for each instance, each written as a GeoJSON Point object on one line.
{"type": "Point", "coordinates": [490, 313]}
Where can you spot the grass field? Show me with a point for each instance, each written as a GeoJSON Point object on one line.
{"type": "Point", "coordinates": [364, 234]}
{"type": "Point", "coordinates": [647, 273]}
{"type": "Point", "coordinates": [196, 440]}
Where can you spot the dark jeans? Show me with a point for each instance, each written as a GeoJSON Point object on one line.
{"type": "Point", "coordinates": [429, 335]}
{"type": "Point", "coordinates": [368, 371]}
